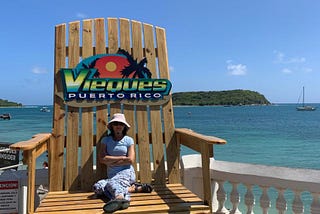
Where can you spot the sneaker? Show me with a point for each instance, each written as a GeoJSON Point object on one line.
{"type": "Point", "coordinates": [117, 204]}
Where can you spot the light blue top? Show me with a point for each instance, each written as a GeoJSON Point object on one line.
{"type": "Point", "coordinates": [117, 148]}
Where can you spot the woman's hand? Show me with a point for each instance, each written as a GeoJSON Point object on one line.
{"type": "Point", "coordinates": [119, 161]}
{"type": "Point", "coordinates": [116, 160]}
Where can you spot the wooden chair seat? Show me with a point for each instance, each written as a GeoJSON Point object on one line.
{"type": "Point", "coordinates": [172, 198]}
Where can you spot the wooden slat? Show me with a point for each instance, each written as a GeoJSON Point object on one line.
{"type": "Point", "coordinates": [125, 34]}
{"type": "Point", "coordinates": [205, 156]}
{"type": "Point", "coordinates": [73, 114]}
{"type": "Point", "coordinates": [101, 111]}
{"type": "Point", "coordinates": [36, 141]}
{"type": "Point", "coordinates": [173, 152]}
{"type": "Point", "coordinates": [128, 110]}
{"type": "Point", "coordinates": [194, 140]}
{"type": "Point", "coordinates": [57, 144]}
{"type": "Point", "coordinates": [31, 161]}
{"type": "Point", "coordinates": [113, 47]}
{"type": "Point", "coordinates": [113, 35]}
{"type": "Point", "coordinates": [155, 117]}
{"type": "Point", "coordinates": [87, 177]}
{"type": "Point", "coordinates": [142, 115]}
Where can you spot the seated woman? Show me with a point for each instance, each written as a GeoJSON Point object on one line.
{"type": "Point", "coordinates": [118, 153]}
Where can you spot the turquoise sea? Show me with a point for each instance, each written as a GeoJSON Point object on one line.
{"type": "Point", "coordinates": [272, 135]}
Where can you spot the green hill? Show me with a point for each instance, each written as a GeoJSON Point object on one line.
{"type": "Point", "coordinates": [6, 103]}
{"type": "Point", "coordinates": [231, 97]}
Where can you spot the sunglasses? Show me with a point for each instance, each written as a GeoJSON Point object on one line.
{"type": "Point", "coordinates": [117, 124]}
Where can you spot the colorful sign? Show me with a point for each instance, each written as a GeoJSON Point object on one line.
{"type": "Point", "coordinates": [107, 78]}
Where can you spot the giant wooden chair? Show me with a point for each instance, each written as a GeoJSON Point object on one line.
{"type": "Point", "coordinates": [72, 170]}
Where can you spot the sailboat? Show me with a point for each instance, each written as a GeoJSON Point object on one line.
{"type": "Point", "coordinates": [304, 107]}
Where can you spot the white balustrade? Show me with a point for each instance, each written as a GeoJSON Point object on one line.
{"type": "Point", "coordinates": [249, 199]}
{"type": "Point", "coordinates": [297, 205]}
{"type": "Point", "coordinates": [251, 188]}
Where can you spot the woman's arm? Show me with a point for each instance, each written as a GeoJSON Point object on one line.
{"type": "Point", "coordinates": [131, 155]}
{"type": "Point", "coordinates": [107, 159]}
{"type": "Point", "coordinates": [117, 160]}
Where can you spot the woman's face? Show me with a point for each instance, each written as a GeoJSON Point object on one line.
{"type": "Point", "coordinates": [118, 127]}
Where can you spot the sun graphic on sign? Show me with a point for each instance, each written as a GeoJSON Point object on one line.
{"type": "Point", "coordinates": [111, 66]}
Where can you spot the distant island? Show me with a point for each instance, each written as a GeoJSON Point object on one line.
{"type": "Point", "coordinates": [225, 98]}
{"type": "Point", "coordinates": [6, 103]}
{"type": "Point", "coordinates": [201, 98]}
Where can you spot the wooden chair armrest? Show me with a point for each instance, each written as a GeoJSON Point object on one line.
{"type": "Point", "coordinates": [33, 143]}
{"type": "Point", "coordinates": [204, 145]}
{"type": "Point", "coordinates": [32, 148]}
{"type": "Point", "coordinates": [194, 140]}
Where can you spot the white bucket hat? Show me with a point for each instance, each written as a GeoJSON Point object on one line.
{"type": "Point", "coordinates": [118, 117]}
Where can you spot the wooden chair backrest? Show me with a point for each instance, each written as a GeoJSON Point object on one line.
{"type": "Point", "coordinates": [152, 127]}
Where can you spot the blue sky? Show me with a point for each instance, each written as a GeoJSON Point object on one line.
{"type": "Point", "coordinates": [272, 47]}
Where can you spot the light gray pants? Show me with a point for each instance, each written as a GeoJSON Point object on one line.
{"type": "Point", "coordinates": [117, 185]}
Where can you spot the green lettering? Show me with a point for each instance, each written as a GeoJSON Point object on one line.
{"type": "Point", "coordinates": [114, 85]}
{"type": "Point", "coordinates": [159, 85]}
{"type": "Point", "coordinates": [145, 85]}
{"type": "Point", "coordinates": [98, 85]}
{"type": "Point", "coordinates": [73, 83]}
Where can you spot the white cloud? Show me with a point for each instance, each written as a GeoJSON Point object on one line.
{"type": "Point", "coordinates": [297, 60]}
{"type": "Point", "coordinates": [236, 70]}
{"type": "Point", "coordinates": [82, 15]}
{"type": "Point", "coordinates": [307, 70]}
{"type": "Point", "coordinates": [293, 64]}
{"type": "Point", "coordinates": [39, 70]}
{"type": "Point", "coordinates": [286, 71]}
{"type": "Point", "coordinates": [281, 58]}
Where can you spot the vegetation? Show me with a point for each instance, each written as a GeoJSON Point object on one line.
{"type": "Point", "coordinates": [232, 97]}
{"type": "Point", "coordinates": [6, 103]}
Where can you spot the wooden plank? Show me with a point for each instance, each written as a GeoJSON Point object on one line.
{"type": "Point", "coordinates": [36, 141]}
{"type": "Point", "coordinates": [87, 177]}
{"type": "Point", "coordinates": [142, 114]}
{"type": "Point", "coordinates": [205, 156]}
{"type": "Point", "coordinates": [113, 46]}
{"type": "Point", "coordinates": [73, 114]}
{"type": "Point", "coordinates": [113, 40]}
{"type": "Point", "coordinates": [155, 117]}
{"type": "Point", "coordinates": [41, 149]}
{"type": "Point", "coordinates": [172, 146]}
{"type": "Point", "coordinates": [191, 136]}
{"type": "Point", "coordinates": [100, 36]}
{"type": "Point", "coordinates": [31, 161]}
{"type": "Point", "coordinates": [128, 110]}
{"type": "Point", "coordinates": [125, 34]}
{"type": "Point", "coordinates": [55, 155]}
{"type": "Point", "coordinates": [56, 199]}
{"type": "Point", "coordinates": [101, 111]}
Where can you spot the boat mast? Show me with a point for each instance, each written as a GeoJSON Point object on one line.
{"type": "Point", "coordinates": [303, 96]}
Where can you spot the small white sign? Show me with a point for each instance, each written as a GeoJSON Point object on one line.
{"type": "Point", "coordinates": [9, 196]}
